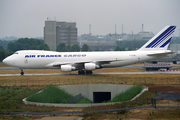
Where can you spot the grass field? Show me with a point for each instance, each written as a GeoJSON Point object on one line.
{"type": "Point", "coordinates": [55, 95]}
{"type": "Point", "coordinates": [11, 97]}
{"type": "Point", "coordinates": [128, 94]}
{"type": "Point", "coordinates": [146, 114]}
{"type": "Point", "coordinates": [90, 79]}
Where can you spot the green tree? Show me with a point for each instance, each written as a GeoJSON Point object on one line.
{"type": "Point", "coordinates": [75, 48]}
{"type": "Point", "coordinates": [119, 48]}
{"type": "Point", "coordinates": [85, 47]}
{"type": "Point", "coordinates": [4, 43]}
{"type": "Point", "coordinates": [134, 44]}
{"type": "Point", "coordinates": [129, 49]}
{"type": "Point", "coordinates": [2, 53]}
{"type": "Point", "coordinates": [27, 44]}
{"type": "Point", "coordinates": [33, 47]}
{"type": "Point", "coordinates": [20, 46]}
{"type": "Point", "coordinates": [11, 47]}
{"type": "Point", "coordinates": [122, 49]}
{"type": "Point", "coordinates": [43, 47]}
{"type": "Point", "coordinates": [61, 47]}
{"type": "Point", "coordinates": [68, 48]}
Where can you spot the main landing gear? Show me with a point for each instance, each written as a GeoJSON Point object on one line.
{"type": "Point", "coordinates": [88, 72]}
{"type": "Point", "coordinates": [82, 72]}
{"type": "Point", "coordinates": [22, 73]}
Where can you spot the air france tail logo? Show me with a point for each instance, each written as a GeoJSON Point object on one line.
{"type": "Point", "coordinates": [163, 39]}
{"type": "Point", "coordinates": [55, 56]}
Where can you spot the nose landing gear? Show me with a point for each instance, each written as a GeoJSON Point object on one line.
{"type": "Point", "coordinates": [22, 73]}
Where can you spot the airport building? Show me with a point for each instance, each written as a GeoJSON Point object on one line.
{"type": "Point", "coordinates": [59, 32]}
{"type": "Point", "coordinates": [175, 48]}
{"type": "Point", "coordinates": [108, 42]}
{"type": "Point", "coordinates": [97, 43]}
{"type": "Point", "coordinates": [56, 32]}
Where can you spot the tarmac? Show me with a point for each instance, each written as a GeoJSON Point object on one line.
{"type": "Point", "coordinates": [112, 73]}
{"type": "Point", "coordinates": [167, 96]}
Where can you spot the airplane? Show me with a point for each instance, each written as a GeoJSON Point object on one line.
{"type": "Point", "coordinates": [85, 62]}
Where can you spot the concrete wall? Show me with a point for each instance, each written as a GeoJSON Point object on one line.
{"type": "Point", "coordinates": [87, 89]}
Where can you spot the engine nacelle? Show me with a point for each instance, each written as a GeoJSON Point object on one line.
{"type": "Point", "coordinates": [67, 68]}
{"type": "Point", "coordinates": [91, 66]}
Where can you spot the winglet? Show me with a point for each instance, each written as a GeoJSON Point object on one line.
{"type": "Point", "coordinates": [161, 40]}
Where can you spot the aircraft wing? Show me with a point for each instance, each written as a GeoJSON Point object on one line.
{"type": "Point", "coordinates": [77, 63]}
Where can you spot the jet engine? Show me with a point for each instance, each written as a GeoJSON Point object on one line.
{"type": "Point", "coordinates": [67, 68]}
{"type": "Point", "coordinates": [91, 66]}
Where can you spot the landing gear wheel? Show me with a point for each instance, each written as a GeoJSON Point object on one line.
{"type": "Point", "coordinates": [81, 72]}
{"type": "Point", "coordinates": [22, 73]}
{"type": "Point", "coordinates": [88, 72]}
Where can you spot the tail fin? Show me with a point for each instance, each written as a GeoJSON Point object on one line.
{"type": "Point", "coordinates": [161, 40]}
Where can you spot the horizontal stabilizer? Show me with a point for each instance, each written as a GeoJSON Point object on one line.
{"type": "Point", "coordinates": [160, 54]}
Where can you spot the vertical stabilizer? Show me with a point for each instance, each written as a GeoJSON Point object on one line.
{"type": "Point", "coordinates": [160, 41]}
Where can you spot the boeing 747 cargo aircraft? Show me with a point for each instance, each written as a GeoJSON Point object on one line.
{"type": "Point", "coordinates": [85, 62]}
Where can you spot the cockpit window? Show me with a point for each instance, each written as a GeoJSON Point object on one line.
{"type": "Point", "coordinates": [16, 53]}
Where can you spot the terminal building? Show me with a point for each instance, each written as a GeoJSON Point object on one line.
{"type": "Point", "coordinates": [59, 32]}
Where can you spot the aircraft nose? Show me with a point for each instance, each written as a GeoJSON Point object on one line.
{"type": "Point", "coordinates": [7, 61]}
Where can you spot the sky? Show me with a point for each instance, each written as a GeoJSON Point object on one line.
{"type": "Point", "coordinates": [26, 18]}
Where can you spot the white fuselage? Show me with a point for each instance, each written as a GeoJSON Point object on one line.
{"type": "Point", "coordinates": [35, 59]}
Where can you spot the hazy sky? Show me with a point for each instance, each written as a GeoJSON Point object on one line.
{"type": "Point", "coordinates": [26, 18]}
